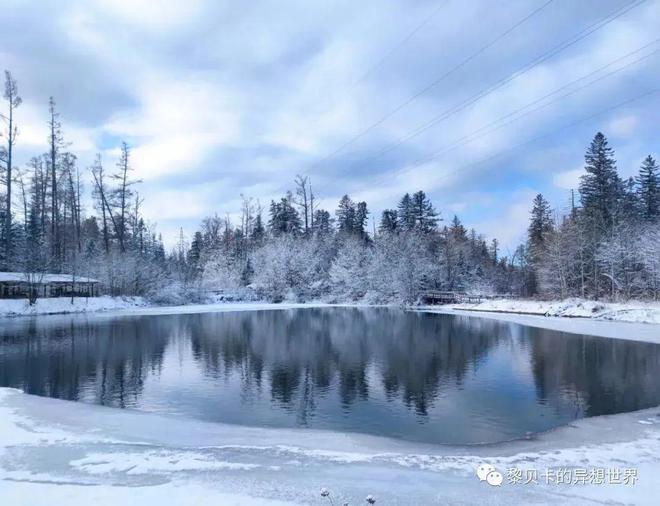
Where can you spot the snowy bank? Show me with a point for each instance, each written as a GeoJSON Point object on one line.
{"type": "Point", "coordinates": [634, 311]}
{"type": "Point", "coordinates": [61, 305]}
{"type": "Point", "coordinates": [60, 452]}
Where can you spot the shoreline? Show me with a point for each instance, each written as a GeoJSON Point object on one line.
{"type": "Point", "coordinates": [112, 450]}
{"type": "Point", "coordinates": [51, 447]}
{"type": "Point", "coordinates": [571, 323]}
{"type": "Point", "coordinates": [630, 331]}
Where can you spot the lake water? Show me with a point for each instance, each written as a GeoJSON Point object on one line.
{"type": "Point", "coordinates": [422, 377]}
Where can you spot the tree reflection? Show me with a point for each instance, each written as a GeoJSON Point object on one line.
{"type": "Point", "coordinates": [303, 352]}
{"type": "Point", "coordinates": [303, 361]}
{"type": "Point", "coordinates": [104, 362]}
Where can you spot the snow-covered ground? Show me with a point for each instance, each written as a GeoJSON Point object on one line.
{"type": "Point", "coordinates": [635, 311]}
{"type": "Point", "coordinates": [59, 305]}
{"type": "Point", "coordinates": [135, 305]}
{"type": "Point", "coordinates": [59, 452]}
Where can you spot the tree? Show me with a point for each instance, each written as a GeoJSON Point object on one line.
{"type": "Point", "coordinates": [540, 227]}
{"type": "Point", "coordinates": [648, 189]}
{"type": "Point", "coordinates": [406, 218]}
{"type": "Point", "coordinates": [305, 200]}
{"type": "Point", "coordinates": [258, 231]}
{"type": "Point", "coordinates": [55, 142]}
{"type": "Point", "coordinates": [600, 186]}
{"type": "Point", "coordinates": [352, 217]}
{"type": "Point", "coordinates": [284, 219]}
{"type": "Point", "coordinates": [388, 221]}
{"type": "Point", "coordinates": [422, 215]}
{"type": "Point", "coordinates": [322, 222]}
{"type": "Point", "coordinates": [13, 101]}
{"type": "Point", "coordinates": [123, 194]}
{"type": "Point", "coordinates": [345, 214]}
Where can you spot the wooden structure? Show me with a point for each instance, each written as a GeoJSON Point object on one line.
{"type": "Point", "coordinates": [19, 285]}
{"type": "Point", "coordinates": [436, 297]}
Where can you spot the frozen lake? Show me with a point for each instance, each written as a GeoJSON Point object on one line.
{"type": "Point", "coordinates": [422, 377]}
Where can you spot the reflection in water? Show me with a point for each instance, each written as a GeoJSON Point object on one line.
{"type": "Point", "coordinates": [433, 378]}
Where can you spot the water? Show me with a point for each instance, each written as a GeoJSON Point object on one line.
{"type": "Point", "coordinates": [422, 377]}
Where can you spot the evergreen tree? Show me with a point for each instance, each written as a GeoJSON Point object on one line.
{"type": "Point", "coordinates": [195, 252]}
{"type": "Point", "coordinates": [600, 186]}
{"type": "Point", "coordinates": [648, 189]}
{"type": "Point", "coordinates": [540, 225]}
{"type": "Point", "coordinates": [247, 273]}
{"type": "Point", "coordinates": [360, 220]}
{"type": "Point", "coordinates": [322, 222]}
{"type": "Point", "coordinates": [405, 213]}
{"type": "Point", "coordinates": [422, 214]}
{"type": "Point", "coordinates": [258, 231]}
{"type": "Point", "coordinates": [284, 219]}
{"type": "Point", "coordinates": [457, 229]}
{"type": "Point", "coordinates": [346, 215]}
{"type": "Point", "coordinates": [388, 221]}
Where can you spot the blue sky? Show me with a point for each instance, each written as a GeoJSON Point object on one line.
{"type": "Point", "coordinates": [221, 98]}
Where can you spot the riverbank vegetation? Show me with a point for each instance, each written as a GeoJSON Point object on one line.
{"type": "Point", "coordinates": [606, 245]}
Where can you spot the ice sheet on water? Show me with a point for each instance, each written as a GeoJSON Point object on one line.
{"type": "Point", "coordinates": [90, 454]}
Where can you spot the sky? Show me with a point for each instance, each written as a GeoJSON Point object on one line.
{"type": "Point", "coordinates": [376, 98]}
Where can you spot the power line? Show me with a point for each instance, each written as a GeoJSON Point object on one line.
{"type": "Point", "coordinates": [402, 42]}
{"type": "Point", "coordinates": [470, 137]}
{"type": "Point", "coordinates": [436, 81]}
{"type": "Point", "coordinates": [514, 75]}
{"type": "Point", "coordinates": [553, 132]}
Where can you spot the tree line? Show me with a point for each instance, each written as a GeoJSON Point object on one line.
{"type": "Point", "coordinates": [46, 228]}
{"type": "Point", "coordinates": [606, 245]}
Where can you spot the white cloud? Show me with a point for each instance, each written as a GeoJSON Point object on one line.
{"type": "Point", "coordinates": [568, 180]}
{"type": "Point", "coordinates": [175, 126]}
{"type": "Point", "coordinates": [279, 83]}
{"type": "Point", "coordinates": [623, 126]}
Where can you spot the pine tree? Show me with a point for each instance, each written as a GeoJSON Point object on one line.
{"type": "Point", "coordinates": [457, 229]}
{"type": "Point", "coordinates": [258, 231]}
{"type": "Point", "coordinates": [648, 189]}
{"type": "Point", "coordinates": [345, 215]}
{"type": "Point", "coordinates": [405, 214]}
{"type": "Point", "coordinates": [322, 222]}
{"type": "Point", "coordinates": [247, 273]}
{"type": "Point", "coordinates": [422, 214]}
{"type": "Point", "coordinates": [600, 186]}
{"type": "Point", "coordinates": [388, 221]}
{"type": "Point", "coordinates": [540, 224]}
{"type": "Point", "coordinates": [360, 220]}
{"type": "Point", "coordinates": [284, 219]}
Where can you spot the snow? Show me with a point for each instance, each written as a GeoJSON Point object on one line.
{"type": "Point", "coordinates": [46, 278]}
{"type": "Point", "coordinates": [60, 305]}
{"type": "Point", "coordinates": [634, 311]}
{"type": "Point", "coordinates": [60, 452]}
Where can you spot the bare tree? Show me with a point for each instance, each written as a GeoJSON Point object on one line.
{"type": "Point", "coordinates": [102, 195]}
{"type": "Point", "coordinates": [123, 194]}
{"type": "Point", "coordinates": [13, 101]}
{"type": "Point", "coordinates": [55, 142]}
{"type": "Point", "coordinates": [305, 201]}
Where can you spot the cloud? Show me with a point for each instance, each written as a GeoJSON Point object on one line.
{"type": "Point", "coordinates": [223, 98]}
{"type": "Point", "coordinates": [623, 126]}
{"type": "Point", "coordinates": [568, 180]}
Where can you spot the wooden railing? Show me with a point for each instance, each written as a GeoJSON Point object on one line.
{"type": "Point", "coordinates": [438, 297]}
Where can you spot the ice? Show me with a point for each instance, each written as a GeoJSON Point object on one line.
{"type": "Point", "coordinates": [632, 311]}
{"type": "Point", "coordinates": [60, 452]}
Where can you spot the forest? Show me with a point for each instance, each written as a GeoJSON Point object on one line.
{"type": "Point", "coordinates": [606, 245]}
